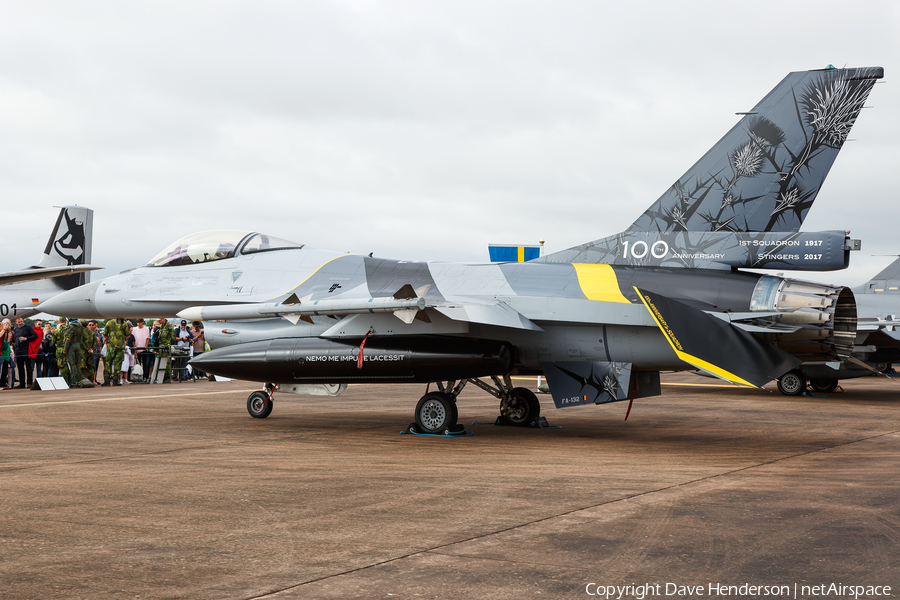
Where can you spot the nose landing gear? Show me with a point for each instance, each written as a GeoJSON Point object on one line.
{"type": "Point", "coordinates": [259, 404]}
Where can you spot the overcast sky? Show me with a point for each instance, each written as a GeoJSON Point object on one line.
{"type": "Point", "coordinates": [411, 129]}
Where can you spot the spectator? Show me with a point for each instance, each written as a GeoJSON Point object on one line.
{"type": "Point", "coordinates": [142, 347]}
{"type": "Point", "coordinates": [182, 340]}
{"type": "Point", "coordinates": [115, 332]}
{"type": "Point", "coordinates": [48, 350]}
{"type": "Point", "coordinates": [128, 360]}
{"type": "Point", "coordinates": [59, 340]}
{"type": "Point", "coordinates": [23, 336]}
{"type": "Point", "coordinates": [34, 350]}
{"type": "Point", "coordinates": [98, 347]}
{"type": "Point", "coordinates": [163, 337]}
{"type": "Point", "coordinates": [199, 345]}
{"type": "Point", "coordinates": [6, 368]}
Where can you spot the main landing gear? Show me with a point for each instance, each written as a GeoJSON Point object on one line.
{"type": "Point", "coordinates": [792, 383]}
{"type": "Point", "coordinates": [436, 412]}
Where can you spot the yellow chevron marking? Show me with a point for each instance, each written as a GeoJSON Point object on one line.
{"type": "Point", "coordinates": [599, 282]}
{"type": "Point", "coordinates": [688, 358]}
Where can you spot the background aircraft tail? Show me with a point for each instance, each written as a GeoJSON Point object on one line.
{"type": "Point", "coordinates": [887, 281]}
{"type": "Point", "coordinates": [765, 173]}
{"type": "Point", "coordinates": [70, 244]}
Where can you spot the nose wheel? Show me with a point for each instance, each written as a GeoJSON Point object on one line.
{"type": "Point", "coordinates": [259, 404]}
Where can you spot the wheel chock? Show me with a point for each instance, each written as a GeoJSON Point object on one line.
{"type": "Point", "coordinates": [452, 431]}
{"type": "Point", "coordinates": [539, 423]}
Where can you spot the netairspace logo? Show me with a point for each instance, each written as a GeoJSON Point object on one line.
{"type": "Point", "coordinates": [747, 590]}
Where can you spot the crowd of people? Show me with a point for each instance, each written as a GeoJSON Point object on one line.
{"type": "Point", "coordinates": [129, 352]}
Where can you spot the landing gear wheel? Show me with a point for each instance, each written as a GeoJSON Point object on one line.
{"type": "Point", "coordinates": [792, 383]}
{"type": "Point", "coordinates": [259, 405]}
{"type": "Point", "coordinates": [823, 385]}
{"type": "Point", "coordinates": [521, 407]}
{"type": "Point", "coordinates": [436, 413]}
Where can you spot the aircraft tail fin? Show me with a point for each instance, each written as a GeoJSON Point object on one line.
{"type": "Point", "coordinates": [70, 244]}
{"type": "Point", "coordinates": [886, 281]}
{"type": "Point", "coordinates": [765, 173]}
{"type": "Point", "coordinates": [892, 271]}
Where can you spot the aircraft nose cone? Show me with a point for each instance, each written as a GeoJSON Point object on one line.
{"type": "Point", "coordinates": [78, 303]}
{"type": "Point", "coordinates": [242, 361]}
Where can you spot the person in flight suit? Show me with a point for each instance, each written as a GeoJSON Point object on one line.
{"type": "Point", "coordinates": [115, 332]}
{"type": "Point", "coordinates": [59, 339]}
{"type": "Point", "coordinates": [165, 337]}
{"type": "Point", "coordinates": [72, 349]}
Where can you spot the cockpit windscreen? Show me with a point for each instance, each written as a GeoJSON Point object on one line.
{"type": "Point", "coordinates": [202, 247]}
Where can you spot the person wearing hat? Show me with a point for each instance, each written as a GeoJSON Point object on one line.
{"type": "Point", "coordinates": [183, 337]}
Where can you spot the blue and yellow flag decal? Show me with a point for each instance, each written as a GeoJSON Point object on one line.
{"type": "Point", "coordinates": [513, 253]}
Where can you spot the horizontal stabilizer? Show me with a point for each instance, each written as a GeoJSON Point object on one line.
{"type": "Point", "coordinates": [43, 273]}
{"type": "Point", "coordinates": [714, 346]}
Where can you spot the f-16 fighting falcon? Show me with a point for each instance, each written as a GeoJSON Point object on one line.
{"type": "Point", "coordinates": [63, 266]}
{"type": "Point", "coordinates": [600, 320]}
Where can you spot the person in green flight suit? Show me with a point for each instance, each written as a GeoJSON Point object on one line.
{"type": "Point", "coordinates": [165, 337]}
{"type": "Point", "coordinates": [115, 332]}
{"type": "Point", "coordinates": [59, 340]}
{"type": "Point", "coordinates": [88, 339]}
{"type": "Point", "coordinates": [72, 348]}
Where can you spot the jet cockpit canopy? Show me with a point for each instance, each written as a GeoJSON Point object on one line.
{"type": "Point", "coordinates": [208, 246]}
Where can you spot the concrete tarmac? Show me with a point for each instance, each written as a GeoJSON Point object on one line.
{"type": "Point", "coordinates": [174, 491]}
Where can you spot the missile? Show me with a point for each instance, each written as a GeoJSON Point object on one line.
{"type": "Point", "coordinates": [420, 359]}
{"type": "Point", "coordinates": [406, 304]}
{"type": "Point", "coordinates": [350, 306]}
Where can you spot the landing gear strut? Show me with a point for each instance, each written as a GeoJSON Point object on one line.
{"type": "Point", "coordinates": [436, 412]}
{"type": "Point", "coordinates": [259, 404]}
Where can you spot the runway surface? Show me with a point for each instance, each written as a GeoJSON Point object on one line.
{"type": "Point", "coordinates": [174, 491]}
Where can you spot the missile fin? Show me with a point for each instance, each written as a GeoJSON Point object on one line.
{"type": "Point", "coordinates": [405, 293]}
{"type": "Point", "coordinates": [407, 315]}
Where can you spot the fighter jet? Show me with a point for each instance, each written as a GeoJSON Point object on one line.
{"type": "Point", "coordinates": [877, 344]}
{"type": "Point", "coordinates": [64, 265]}
{"type": "Point", "coordinates": [600, 320]}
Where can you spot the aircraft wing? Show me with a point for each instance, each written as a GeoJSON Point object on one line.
{"type": "Point", "coordinates": [497, 314]}
{"type": "Point", "coordinates": [43, 273]}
